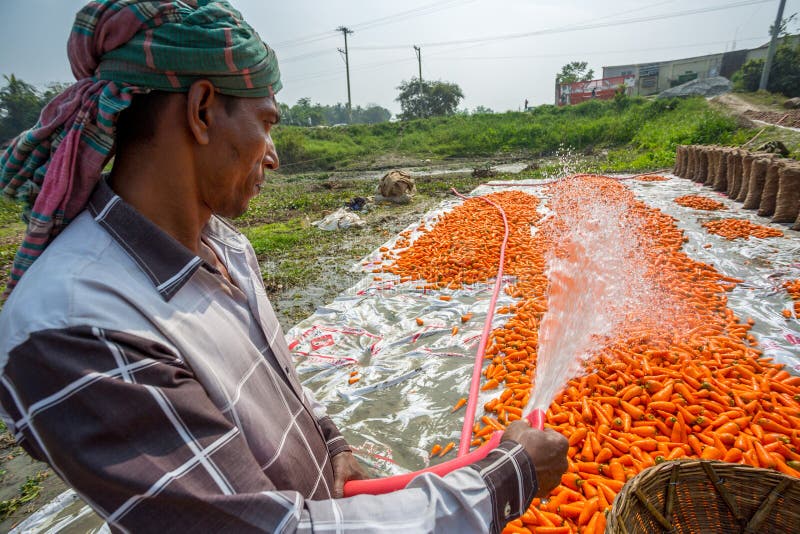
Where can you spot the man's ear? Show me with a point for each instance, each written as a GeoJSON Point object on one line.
{"type": "Point", "coordinates": [200, 110]}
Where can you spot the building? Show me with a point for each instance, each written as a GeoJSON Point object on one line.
{"type": "Point", "coordinates": [652, 78]}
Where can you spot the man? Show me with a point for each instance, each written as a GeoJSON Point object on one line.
{"type": "Point", "coordinates": [140, 356]}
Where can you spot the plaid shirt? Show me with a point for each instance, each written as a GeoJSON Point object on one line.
{"type": "Point", "coordinates": [166, 396]}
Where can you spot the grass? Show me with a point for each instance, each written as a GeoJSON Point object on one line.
{"type": "Point", "coordinates": [287, 250]}
{"type": "Point", "coordinates": [10, 216]}
{"type": "Point", "coordinates": [283, 198]}
{"type": "Point", "coordinates": [295, 254]}
{"type": "Point", "coordinates": [11, 230]}
{"type": "Point", "coordinates": [27, 492]}
{"type": "Point", "coordinates": [648, 130]}
{"type": "Point", "coordinates": [653, 145]}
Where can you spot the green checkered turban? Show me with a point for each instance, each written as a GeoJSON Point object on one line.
{"type": "Point", "coordinates": [167, 45]}
{"type": "Point", "coordinates": [117, 49]}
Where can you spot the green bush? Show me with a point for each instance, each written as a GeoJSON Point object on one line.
{"type": "Point", "coordinates": [784, 76]}
{"type": "Point", "coordinates": [290, 144]}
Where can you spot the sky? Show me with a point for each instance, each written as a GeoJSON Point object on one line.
{"type": "Point", "coordinates": [500, 52]}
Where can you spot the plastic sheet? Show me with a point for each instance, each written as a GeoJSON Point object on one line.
{"type": "Point", "coordinates": [401, 419]}
{"type": "Point", "coordinates": [65, 513]}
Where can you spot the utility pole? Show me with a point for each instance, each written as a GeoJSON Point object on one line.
{"type": "Point", "coordinates": [345, 30]}
{"type": "Point", "coordinates": [762, 86]}
{"type": "Point", "coordinates": [418, 51]}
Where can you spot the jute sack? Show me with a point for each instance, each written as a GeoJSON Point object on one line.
{"type": "Point", "coordinates": [758, 174]}
{"type": "Point", "coordinates": [676, 170]}
{"type": "Point", "coordinates": [396, 186]}
{"type": "Point", "coordinates": [712, 152]}
{"type": "Point", "coordinates": [797, 223]}
{"type": "Point", "coordinates": [734, 173]}
{"type": "Point", "coordinates": [787, 203]}
{"type": "Point", "coordinates": [721, 177]}
{"type": "Point", "coordinates": [684, 161]}
{"type": "Point", "coordinates": [691, 160]}
{"type": "Point", "coordinates": [747, 162]}
{"type": "Point", "coordinates": [701, 165]}
{"type": "Point", "coordinates": [770, 192]}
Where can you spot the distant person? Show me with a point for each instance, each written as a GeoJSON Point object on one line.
{"type": "Point", "coordinates": [526, 104]}
{"type": "Point", "coordinates": [140, 356]}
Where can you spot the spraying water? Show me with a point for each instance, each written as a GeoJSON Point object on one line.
{"type": "Point", "coordinates": [596, 273]}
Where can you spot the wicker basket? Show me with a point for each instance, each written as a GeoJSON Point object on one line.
{"type": "Point", "coordinates": [702, 496]}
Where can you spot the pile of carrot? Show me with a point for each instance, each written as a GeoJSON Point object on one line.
{"type": "Point", "coordinates": [736, 228]}
{"type": "Point", "coordinates": [793, 288]}
{"type": "Point", "coordinates": [657, 389]}
{"type": "Point", "coordinates": [652, 178]}
{"type": "Point", "coordinates": [699, 203]}
{"type": "Point", "coordinates": [464, 245]}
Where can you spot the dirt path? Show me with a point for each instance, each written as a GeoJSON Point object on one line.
{"type": "Point", "coordinates": [762, 113]}
{"type": "Point", "coordinates": [739, 105]}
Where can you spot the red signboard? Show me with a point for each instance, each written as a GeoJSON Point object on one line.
{"type": "Point", "coordinates": [603, 89]}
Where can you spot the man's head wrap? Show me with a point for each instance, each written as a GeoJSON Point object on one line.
{"type": "Point", "coordinates": [119, 48]}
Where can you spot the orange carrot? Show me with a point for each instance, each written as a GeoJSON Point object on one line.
{"type": "Point", "coordinates": [461, 402]}
{"type": "Point", "coordinates": [447, 448]}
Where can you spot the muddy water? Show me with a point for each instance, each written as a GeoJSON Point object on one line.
{"type": "Point", "coordinates": [410, 376]}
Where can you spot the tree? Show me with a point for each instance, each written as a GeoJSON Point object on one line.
{"type": "Point", "coordinates": [428, 99]}
{"type": "Point", "coordinates": [306, 113]}
{"type": "Point", "coordinates": [52, 90]}
{"type": "Point", "coordinates": [575, 71]}
{"type": "Point", "coordinates": [480, 110]}
{"type": "Point", "coordinates": [373, 114]}
{"type": "Point", "coordinates": [20, 105]}
{"type": "Point", "coordinates": [784, 77]}
{"type": "Point", "coordinates": [783, 27]}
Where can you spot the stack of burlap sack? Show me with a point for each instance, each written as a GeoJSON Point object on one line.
{"type": "Point", "coordinates": [763, 181]}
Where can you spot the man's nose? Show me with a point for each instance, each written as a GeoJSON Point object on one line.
{"type": "Point", "coordinates": [270, 160]}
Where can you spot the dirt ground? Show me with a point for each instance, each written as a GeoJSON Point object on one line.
{"type": "Point", "coordinates": [766, 108]}
{"type": "Point", "coordinates": [739, 105]}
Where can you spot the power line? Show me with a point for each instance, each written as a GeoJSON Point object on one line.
{"type": "Point", "coordinates": [321, 52]}
{"type": "Point", "coordinates": [578, 27]}
{"type": "Point", "coordinates": [567, 54]}
{"type": "Point", "coordinates": [369, 24]}
{"type": "Point", "coordinates": [377, 65]}
{"type": "Point", "coordinates": [333, 73]}
{"type": "Point", "coordinates": [411, 13]}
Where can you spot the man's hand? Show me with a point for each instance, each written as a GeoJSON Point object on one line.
{"type": "Point", "coordinates": [345, 467]}
{"type": "Point", "coordinates": [547, 449]}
